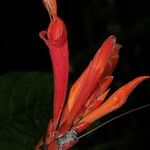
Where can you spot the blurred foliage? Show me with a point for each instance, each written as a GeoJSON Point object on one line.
{"type": "Point", "coordinates": [26, 98]}
{"type": "Point", "coordinates": [25, 104]}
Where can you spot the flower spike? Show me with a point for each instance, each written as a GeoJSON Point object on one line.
{"type": "Point", "coordinates": [87, 100]}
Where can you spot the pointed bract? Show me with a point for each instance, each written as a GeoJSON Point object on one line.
{"type": "Point", "coordinates": [115, 101]}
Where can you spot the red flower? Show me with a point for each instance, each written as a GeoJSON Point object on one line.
{"type": "Point", "coordinates": [87, 99]}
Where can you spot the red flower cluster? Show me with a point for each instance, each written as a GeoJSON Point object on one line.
{"type": "Point", "coordinates": [87, 100]}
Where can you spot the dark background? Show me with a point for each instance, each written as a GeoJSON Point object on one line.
{"type": "Point", "coordinates": [89, 23]}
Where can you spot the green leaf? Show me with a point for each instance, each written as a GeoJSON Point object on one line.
{"type": "Point", "coordinates": [25, 105]}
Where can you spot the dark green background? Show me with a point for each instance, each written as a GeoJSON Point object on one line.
{"type": "Point", "coordinates": [25, 68]}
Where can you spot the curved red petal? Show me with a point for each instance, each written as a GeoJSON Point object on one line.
{"type": "Point", "coordinates": [56, 39]}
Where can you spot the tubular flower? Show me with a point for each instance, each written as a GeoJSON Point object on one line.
{"type": "Point", "coordinates": [87, 100]}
